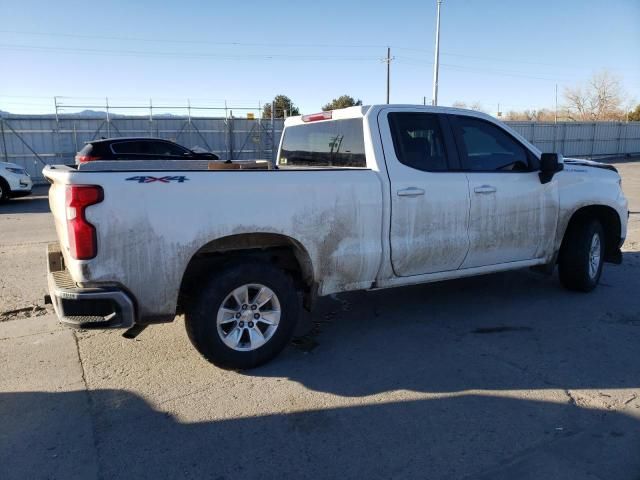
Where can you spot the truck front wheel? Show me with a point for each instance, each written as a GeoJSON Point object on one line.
{"type": "Point", "coordinates": [244, 315]}
{"type": "Point", "coordinates": [582, 256]}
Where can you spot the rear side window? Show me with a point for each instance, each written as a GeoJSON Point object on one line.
{"type": "Point", "coordinates": [488, 148]}
{"type": "Point", "coordinates": [130, 147]}
{"type": "Point", "coordinates": [334, 143]}
{"type": "Point", "coordinates": [418, 140]}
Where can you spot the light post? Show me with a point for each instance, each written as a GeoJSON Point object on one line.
{"type": "Point", "coordinates": [436, 63]}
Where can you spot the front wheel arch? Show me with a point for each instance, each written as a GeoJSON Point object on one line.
{"type": "Point", "coordinates": [609, 220]}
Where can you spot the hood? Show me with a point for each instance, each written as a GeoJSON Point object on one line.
{"type": "Point", "coordinates": [589, 163]}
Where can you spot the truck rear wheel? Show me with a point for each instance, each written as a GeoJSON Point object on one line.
{"type": "Point", "coordinates": [244, 315]}
{"type": "Point", "coordinates": [582, 256]}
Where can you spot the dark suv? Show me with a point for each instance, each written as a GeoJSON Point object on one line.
{"type": "Point", "coordinates": [138, 149]}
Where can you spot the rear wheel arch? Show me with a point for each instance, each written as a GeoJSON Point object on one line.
{"type": "Point", "coordinates": [281, 250]}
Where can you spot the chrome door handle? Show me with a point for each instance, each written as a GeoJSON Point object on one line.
{"type": "Point", "coordinates": [485, 189]}
{"type": "Point", "coordinates": [410, 192]}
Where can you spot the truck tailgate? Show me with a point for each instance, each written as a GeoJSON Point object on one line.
{"type": "Point", "coordinates": [57, 204]}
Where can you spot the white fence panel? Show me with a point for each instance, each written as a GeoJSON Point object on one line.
{"type": "Point", "coordinates": [32, 140]}
{"type": "Point", "coordinates": [582, 138]}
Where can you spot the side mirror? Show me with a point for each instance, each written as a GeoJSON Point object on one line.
{"type": "Point", "coordinates": [550, 164]}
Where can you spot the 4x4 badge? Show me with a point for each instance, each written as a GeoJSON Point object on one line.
{"type": "Point", "coordinates": [149, 179]}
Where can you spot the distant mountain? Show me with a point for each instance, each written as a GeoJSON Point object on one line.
{"type": "Point", "coordinates": [86, 114]}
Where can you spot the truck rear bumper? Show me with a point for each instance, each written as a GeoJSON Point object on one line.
{"type": "Point", "coordinates": [95, 307]}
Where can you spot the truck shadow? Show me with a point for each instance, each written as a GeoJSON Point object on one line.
{"type": "Point", "coordinates": [117, 434]}
{"type": "Point", "coordinates": [509, 331]}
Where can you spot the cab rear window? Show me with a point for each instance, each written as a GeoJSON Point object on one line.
{"type": "Point", "coordinates": [333, 143]}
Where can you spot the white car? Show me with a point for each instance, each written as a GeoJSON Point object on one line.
{"type": "Point", "coordinates": [14, 181]}
{"type": "Point", "coordinates": [363, 198]}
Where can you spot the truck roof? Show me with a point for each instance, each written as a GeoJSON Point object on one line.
{"type": "Point", "coordinates": [361, 111]}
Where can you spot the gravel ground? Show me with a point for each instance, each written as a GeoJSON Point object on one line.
{"type": "Point", "coordinates": [503, 376]}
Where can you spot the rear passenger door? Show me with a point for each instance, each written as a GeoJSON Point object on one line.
{"type": "Point", "coordinates": [429, 199]}
{"type": "Point", "coordinates": [511, 211]}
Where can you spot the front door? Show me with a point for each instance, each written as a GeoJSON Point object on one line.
{"type": "Point", "coordinates": [511, 211]}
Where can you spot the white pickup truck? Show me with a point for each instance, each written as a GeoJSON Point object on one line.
{"type": "Point", "coordinates": [361, 198]}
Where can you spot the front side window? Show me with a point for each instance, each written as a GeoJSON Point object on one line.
{"type": "Point", "coordinates": [488, 148]}
{"type": "Point", "coordinates": [333, 143]}
{"type": "Point", "coordinates": [418, 140]}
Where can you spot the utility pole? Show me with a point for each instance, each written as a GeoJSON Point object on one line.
{"type": "Point", "coordinates": [55, 104]}
{"type": "Point", "coordinates": [106, 101]}
{"type": "Point", "coordinates": [273, 133]}
{"type": "Point", "coordinates": [556, 114]}
{"type": "Point", "coordinates": [151, 117]}
{"type": "Point", "coordinates": [436, 63]}
{"type": "Point", "coordinates": [387, 60]}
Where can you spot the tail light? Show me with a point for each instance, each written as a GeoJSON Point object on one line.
{"type": "Point", "coordinates": [83, 243]}
{"type": "Point", "coordinates": [86, 158]}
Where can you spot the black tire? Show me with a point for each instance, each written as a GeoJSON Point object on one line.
{"type": "Point", "coordinates": [573, 263]}
{"type": "Point", "coordinates": [201, 313]}
{"type": "Point", "coordinates": [5, 191]}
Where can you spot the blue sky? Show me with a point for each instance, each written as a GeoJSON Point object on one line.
{"type": "Point", "coordinates": [245, 52]}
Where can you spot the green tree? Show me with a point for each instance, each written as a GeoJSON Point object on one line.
{"type": "Point", "coordinates": [282, 104]}
{"type": "Point", "coordinates": [634, 115]}
{"type": "Point", "coordinates": [343, 101]}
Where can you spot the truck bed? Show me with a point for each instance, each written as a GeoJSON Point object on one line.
{"type": "Point", "coordinates": [152, 221]}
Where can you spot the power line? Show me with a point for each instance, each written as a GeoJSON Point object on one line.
{"type": "Point", "coordinates": [183, 55]}
{"type": "Point", "coordinates": [401, 59]}
{"type": "Point", "coordinates": [157, 54]}
{"type": "Point", "coordinates": [450, 66]}
{"type": "Point", "coordinates": [281, 45]}
{"type": "Point", "coordinates": [195, 42]}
